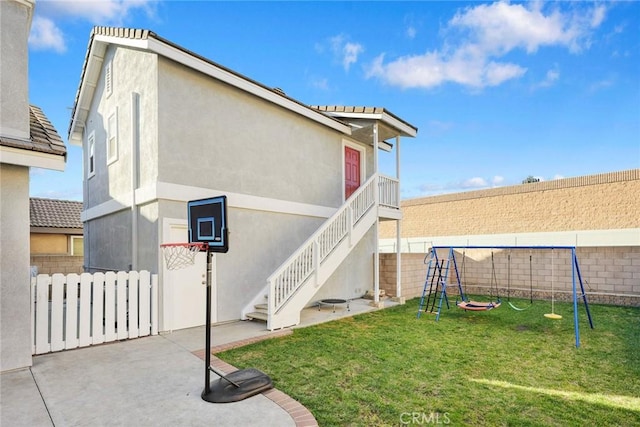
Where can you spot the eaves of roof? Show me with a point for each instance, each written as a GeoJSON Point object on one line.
{"type": "Point", "coordinates": [101, 37]}
{"type": "Point", "coordinates": [347, 113]}
{"type": "Point", "coordinates": [43, 136]}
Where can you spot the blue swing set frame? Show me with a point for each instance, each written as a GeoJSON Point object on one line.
{"type": "Point", "coordinates": [443, 271]}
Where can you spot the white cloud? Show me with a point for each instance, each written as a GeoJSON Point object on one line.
{"type": "Point", "coordinates": [601, 84]}
{"type": "Point", "coordinates": [550, 79]}
{"type": "Point", "coordinates": [46, 32]}
{"type": "Point", "coordinates": [344, 51]}
{"type": "Point", "coordinates": [320, 83]}
{"type": "Point", "coordinates": [598, 16]}
{"type": "Point", "coordinates": [480, 37]}
{"type": "Point", "coordinates": [45, 35]}
{"type": "Point", "coordinates": [480, 183]}
{"type": "Point", "coordinates": [351, 52]}
{"type": "Point", "coordinates": [411, 32]}
{"type": "Point", "coordinates": [103, 12]}
{"type": "Point", "coordinates": [476, 182]}
{"type": "Point", "coordinates": [438, 127]}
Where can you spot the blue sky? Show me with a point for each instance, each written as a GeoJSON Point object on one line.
{"type": "Point", "coordinates": [498, 90]}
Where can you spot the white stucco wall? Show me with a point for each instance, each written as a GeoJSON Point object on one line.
{"type": "Point", "coordinates": [212, 135]}
{"type": "Point", "coordinates": [108, 238]}
{"type": "Point", "coordinates": [354, 277]}
{"type": "Point", "coordinates": [14, 87]}
{"type": "Point", "coordinates": [15, 321]}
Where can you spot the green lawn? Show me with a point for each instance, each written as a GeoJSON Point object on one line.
{"type": "Point", "coordinates": [501, 367]}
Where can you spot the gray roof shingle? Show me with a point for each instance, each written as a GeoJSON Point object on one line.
{"type": "Point", "coordinates": [44, 137]}
{"type": "Point", "coordinates": [52, 213]}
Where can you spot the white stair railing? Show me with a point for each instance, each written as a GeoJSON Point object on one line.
{"type": "Point", "coordinates": [306, 261]}
{"type": "Point", "coordinates": [389, 192]}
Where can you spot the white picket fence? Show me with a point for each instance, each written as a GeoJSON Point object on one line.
{"type": "Point", "coordinates": [79, 310]}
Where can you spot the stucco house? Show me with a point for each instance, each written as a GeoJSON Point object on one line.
{"type": "Point", "coordinates": [27, 139]}
{"type": "Point", "coordinates": [160, 125]}
{"type": "Point", "coordinates": [56, 240]}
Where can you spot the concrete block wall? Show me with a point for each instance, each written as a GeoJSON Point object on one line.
{"type": "Point", "coordinates": [602, 207]}
{"type": "Point", "coordinates": [596, 202]}
{"type": "Point", "coordinates": [611, 275]}
{"type": "Point", "coordinates": [51, 264]}
{"type": "Point", "coordinates": [412, 274]}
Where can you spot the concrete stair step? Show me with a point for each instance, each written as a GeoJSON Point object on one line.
{"type": "Point", "coordinates": [258, 315]}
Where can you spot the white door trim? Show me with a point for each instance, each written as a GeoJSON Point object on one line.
{"type": "Point", "coordinates": [363, 162]}
{"type": "Point", "coordinates": [168, 290]}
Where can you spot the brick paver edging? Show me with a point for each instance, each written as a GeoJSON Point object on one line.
{"type": "Point", "coordinates": [301, 415]}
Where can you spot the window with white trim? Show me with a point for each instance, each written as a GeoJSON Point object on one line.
{"type": "Point", "coordinates": [112, 138]}
{"type": "Point", "coordinates": [91, 155]}
{"type": "Point", "coordinates": [77, 245]}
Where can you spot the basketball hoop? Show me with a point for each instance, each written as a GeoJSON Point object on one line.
{"type": "Point", "coordinates": [181, 255]}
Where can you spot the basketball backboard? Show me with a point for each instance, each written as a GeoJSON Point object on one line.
{"type": "Point", "coordinates": [207, 222]}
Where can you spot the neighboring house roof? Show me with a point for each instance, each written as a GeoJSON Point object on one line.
{"type": "Point", "coordinates": [44, 138]}
{"type": "Point", "coordinates": [52, 213]}
{"type": "Point", "coordinates": [101, 37]}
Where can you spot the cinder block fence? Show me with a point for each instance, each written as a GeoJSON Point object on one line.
{"type": "Point", "coordinates": [598, 214]}
{"type": "Point", "coordinates": [611, 275]}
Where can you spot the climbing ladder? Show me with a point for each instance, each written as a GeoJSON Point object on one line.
{"type": "Point", "coordinates": [435, 284]}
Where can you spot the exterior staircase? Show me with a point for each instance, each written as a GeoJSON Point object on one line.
{"type": "Point", "coordinates": [261, 312]}
{"type": "Point", "coordinates": [290, 288]}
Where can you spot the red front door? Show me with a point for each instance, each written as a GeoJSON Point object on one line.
{"type": "Point", "coordinates": [351, 171]}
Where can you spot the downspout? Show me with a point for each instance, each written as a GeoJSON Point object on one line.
{"type": "Point", "coordinates": [135, 134]}
{"type": "Point", "coordinates": [86, 241]}
{"type": "Point", "coordinates": [398, 228]}
{"type": "Point", "coordinates": [376, 256]}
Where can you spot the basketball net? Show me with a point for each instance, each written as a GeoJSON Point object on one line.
{"type": "Point", "coordinates": [181, 255]}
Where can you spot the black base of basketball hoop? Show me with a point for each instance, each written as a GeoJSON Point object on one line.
{"type": "Point", "coordinates": [207, 233]}
{"type": "Point", "coordinates": [237, 386]}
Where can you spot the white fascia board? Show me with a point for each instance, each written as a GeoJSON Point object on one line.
{"type": "Point", "coordinates": [122, 41]}
{"type": "Point", "coordinates": [87, 89]}
{"type": "Point", "coordinates": [32, 158]}
{"type": "Point", "coordinates": [385, 118]}
{"type": "Point", "coordinates": [29, 3]}
{"type": "Point", "coordinates": [232, 79]}
{"type": "Point", "coordinates": [398, 124]}
{"type": "Point", "coordinates": [385, 146]}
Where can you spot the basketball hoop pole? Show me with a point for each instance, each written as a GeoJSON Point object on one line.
{"type": "Point", "coordinates": [206, 393]}
{"type": "Point", "coordinates": [207, 344]}
{"type": "Point", "coordinates": [208, 233]}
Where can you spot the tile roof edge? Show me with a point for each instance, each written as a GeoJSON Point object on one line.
{"type": "Point", "coordinates": [359, 110]}
{"type": "Point", "coordinates": [43, 136]}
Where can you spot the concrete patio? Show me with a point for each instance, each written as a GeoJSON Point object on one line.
{"type": "Point", "coordinates": [149, 381]}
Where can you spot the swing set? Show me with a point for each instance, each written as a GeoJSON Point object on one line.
{"type": "Point", "coordinates": [438, 271]}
